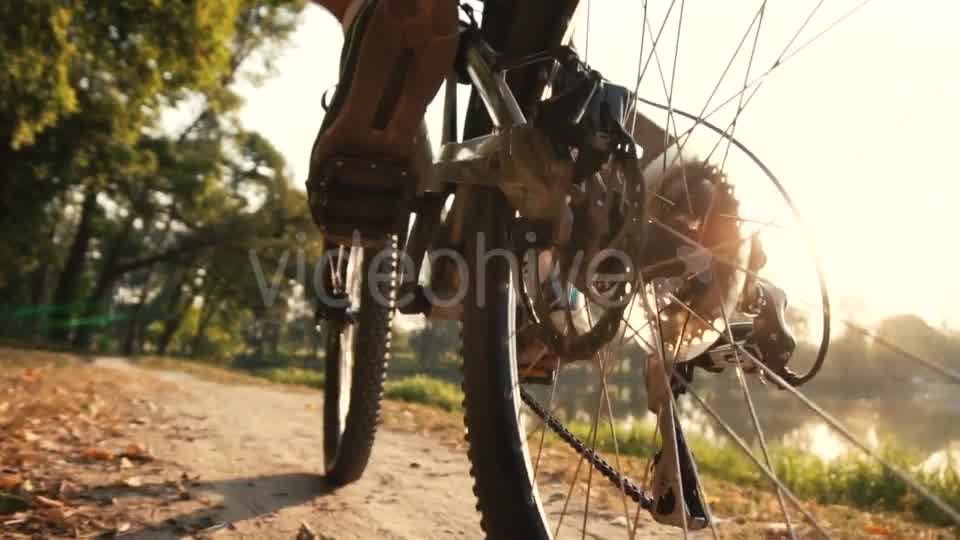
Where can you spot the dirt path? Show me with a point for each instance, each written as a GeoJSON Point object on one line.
{"type": "Point", "coordinates": [252, 458]}
{"type": "Point", "coordinates": [115, 449]}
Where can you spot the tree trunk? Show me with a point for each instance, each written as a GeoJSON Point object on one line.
{"type": "Point", "coordinates": [105, 280]}
{"type": "Point", "coordinates": [206, 314]}
{"type": "Point", "coordinates": [38, 293]}
{"type": "Point", "coordinates": [69, 281]}
{"type": "Point", "coordinates": [133, 325]}
{"type": "Point", "coordinates": [178, 310]}
{"type": "Point", "coordinates": [170, 327]}
{"type": "Point", "coordinates": [136, 327]}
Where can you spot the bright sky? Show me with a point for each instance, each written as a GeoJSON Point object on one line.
{"type": "Point", "coordinates": [860, 127]}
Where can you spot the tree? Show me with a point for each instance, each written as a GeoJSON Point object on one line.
{"type": "Point", "coordinates": [88, 171]}
{"type": "Point", "coordinates": [434, 342]}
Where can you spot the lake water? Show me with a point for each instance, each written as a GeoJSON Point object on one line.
{"type": "Point", "coordinates": [925, 423]}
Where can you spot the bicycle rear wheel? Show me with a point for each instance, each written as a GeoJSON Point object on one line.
{"type": "Point", "coordinates": [517, 493]}
{"type": "Point", "coordinates": [506, 494]}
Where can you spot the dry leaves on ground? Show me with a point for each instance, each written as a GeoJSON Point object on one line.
{"type": "Point", "coordinates": [65, 420]}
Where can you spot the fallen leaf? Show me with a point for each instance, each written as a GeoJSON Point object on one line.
{"type": "Point", "coordinates": [137, 452]}
{"type": "Point", "coordinates": [66, 488]}
{"type": "Point", "coordinates": [47, 502]}
{"type": "Point", "coordinates": [10, 481]}
{"type": "Point", "coordinates": [305, 532]}
{"type": "Point", "coordinates": [123, 527]}
{"type": "Point", "coordinates": [30, 436]}
{"type": "Point", "coordinates": [19, 518]}
{"type": "Point", "coordinates": [99, 454]}
{"type": "Point", "coordinates": [125, 463]}
{"type": "Point", "coordinates": [619, 521]}
{"type": "Point", "coordinates": [49, 446]}
{"type": "Point", "coordinates": [133, 481]}
{"type": "Point", "coordinates": [27, 486]}
{"type": "Point", "coordinates": [877, 529]}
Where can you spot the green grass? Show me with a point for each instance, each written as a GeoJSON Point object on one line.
{"type": "Point", "coordinates": [290, 375]}
{"type": "Point", "coordinates": [857, 481]}
{"type": "Point", "coordinates": [852, 480]}
{"type": "Point", "coordinates": [426, 390]}
{"type": "Point", "coordinates": [205, 370]}
{"type": "Point", "coordinates": [235, 375]}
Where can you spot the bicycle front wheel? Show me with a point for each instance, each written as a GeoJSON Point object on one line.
{"type": "Point", "coordinates": [357, 350]}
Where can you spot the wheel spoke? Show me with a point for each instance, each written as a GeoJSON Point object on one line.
{"type": "Point", "coordinates": [950, 374]}
{"type": "Point", "coordinates": [576, 475]}
{"type": "Point", "coordinates": [617, 461]}
{"type": "Point", "coordinates": [723, 75]}
{"type": "Point", "coordinates": [646, 470]}
{"type": "Point", "coordinates": [750, 455]}
{"type": "Point", "coordinates": [841, 429]}
{"type": "Point", "coordinates": [630, 115]}
{"type": "Point", "coordinates": [605, 366]}
{"type": "Point", "coordinates": [671, 120]}
{"type": "Point", "coordinates": [745, 388]}
{"type": "Point", "coordinates": [667, 402]}
{"type": "Point", "coordinates": [543, 426]}
{"type": "Point", "coordinates": [754, 84]}
{"type": "Point", "coordinates": [593, 447]}
{"type": "Point", "coordinates": [644, 64]}
{"type": "Point", "coordinates": [586, 38]}
{"type": "Point", "coordinates": [741, 105]}
{"type": "Point", "coordinates": [671, 123]}
{"type": "Point", "coordinates": [691, 460]}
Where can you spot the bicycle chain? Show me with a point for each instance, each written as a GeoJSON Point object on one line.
{"type": "Point", "coordinates": [609, 472]}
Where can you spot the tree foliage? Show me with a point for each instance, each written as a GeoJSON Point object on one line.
{"type": "Point", "coordinates": [120, 231]}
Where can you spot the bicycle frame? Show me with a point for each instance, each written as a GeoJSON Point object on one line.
{"type": "Point", "coordinates": [515, 158]}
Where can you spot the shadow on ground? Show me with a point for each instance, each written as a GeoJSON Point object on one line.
{"type": "Point", "coordinates": [190, 507]}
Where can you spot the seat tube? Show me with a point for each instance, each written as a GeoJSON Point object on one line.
{"type": "Point", "coordinates": [493, 90]}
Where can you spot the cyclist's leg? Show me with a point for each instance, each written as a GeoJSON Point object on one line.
{"type": "Point", "coordinates": [337, 7]}
{"type": "Point", "coordinates": [395, 56]}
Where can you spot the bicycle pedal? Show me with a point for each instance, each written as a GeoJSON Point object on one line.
{"type": "Point", "coordinates": [536, 364]}
{"type": "Point", "coordinates": [360, 199]}
{"type": "Point", "coordinates": [537, 375]}
{"type": "Point", "coordinates": [396, 55]}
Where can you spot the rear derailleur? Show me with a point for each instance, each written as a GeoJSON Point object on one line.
{"type": "Point", "coordinates": [765, 338]}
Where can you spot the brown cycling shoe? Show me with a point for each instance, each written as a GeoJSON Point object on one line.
{"type": "Point", "coordinates": [396, 54]}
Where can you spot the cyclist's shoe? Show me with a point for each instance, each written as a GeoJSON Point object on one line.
{"type": "Point", "coordinates": [396, 54]}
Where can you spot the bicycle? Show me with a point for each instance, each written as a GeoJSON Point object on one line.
{"type": "Point", "coordinates": [538, 185]}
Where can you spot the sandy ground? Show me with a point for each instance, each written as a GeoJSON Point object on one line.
{"type": "Point", "coordinates": [250, 458]}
